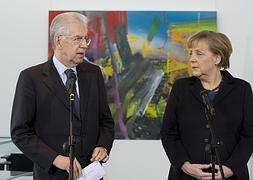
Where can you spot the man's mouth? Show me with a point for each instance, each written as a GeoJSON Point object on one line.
{"type": "Point", "coordinates": [80, 53]}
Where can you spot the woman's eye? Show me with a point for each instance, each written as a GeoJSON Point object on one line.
{"type": "Point", "coordinates": [199, 53]}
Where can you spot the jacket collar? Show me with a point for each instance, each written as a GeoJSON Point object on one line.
{"type": "Point", "coordinates": [54, 83]}
{"type": "Point", "coordinates": [227, 85]}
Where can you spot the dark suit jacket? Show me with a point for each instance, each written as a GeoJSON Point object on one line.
{"type": "Point", "coordinates": [184, 132]}
{"type": "Point", "coordinates": [40, 117]}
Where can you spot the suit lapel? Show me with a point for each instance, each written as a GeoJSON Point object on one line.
{"type": "Point", "coordinates": [225, 88]}
{"type": "Point", "coordinates": [84, 85]}
{"type": "Point", "coordinates": [196, 88]}
{"type": "Point", "coordinates": [53, 81]}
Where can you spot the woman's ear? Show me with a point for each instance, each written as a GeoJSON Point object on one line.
{"type": "Point", "coordinates": [218, 60]}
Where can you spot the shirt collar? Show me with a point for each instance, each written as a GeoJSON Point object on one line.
{"type": "Point", "coordinates": [61, 68]}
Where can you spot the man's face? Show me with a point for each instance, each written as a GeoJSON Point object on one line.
{"type": "Point", "coordinates": [71, 48]}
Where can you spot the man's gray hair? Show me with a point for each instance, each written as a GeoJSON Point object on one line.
{"type": "Point", "coordinates": [59, 25]}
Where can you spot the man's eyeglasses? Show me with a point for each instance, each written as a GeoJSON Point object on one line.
{"type": "Point", "coordinates": [79, 39]}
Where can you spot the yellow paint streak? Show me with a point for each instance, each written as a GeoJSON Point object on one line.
{"type": "Point", "coordinates": [151, 111]}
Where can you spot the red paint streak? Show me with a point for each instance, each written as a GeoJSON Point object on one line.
{"type": "Point", "coordinates": [113, 20]}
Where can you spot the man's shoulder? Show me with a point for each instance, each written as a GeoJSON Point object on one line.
{"type": "Point", "coordinates": [90, 66]}
{"type": "Point", "coordinates": [35, 68]}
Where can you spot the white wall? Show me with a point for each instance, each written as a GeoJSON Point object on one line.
{"type": "Point", "coordinates": [235, 19]}
{"type": "Point", "coordinates": [23, 42]}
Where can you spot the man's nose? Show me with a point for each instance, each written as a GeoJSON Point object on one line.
{"type": "Point", "coordinates": [83, 44]}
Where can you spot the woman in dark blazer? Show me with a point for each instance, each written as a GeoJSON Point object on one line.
{"type": "Point", "coordinates": [185, 132]}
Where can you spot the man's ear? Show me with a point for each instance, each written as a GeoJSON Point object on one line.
{"type": "Point", "coordinates": [57, 42]}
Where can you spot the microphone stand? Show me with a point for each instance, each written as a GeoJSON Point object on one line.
{"type": "Point", "coordinates": [210, 116]}
{"type": "Point", "coordinates": [71, 87]}
{"type": "Point", "coordinates": [71, 137]}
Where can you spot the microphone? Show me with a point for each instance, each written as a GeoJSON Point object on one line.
{"type": "Point", "coordinates": [65, 145]}
{"type": "Point", "coordinates": [72, 84]}
{"type": "Point", "coordinates": [207, 102]}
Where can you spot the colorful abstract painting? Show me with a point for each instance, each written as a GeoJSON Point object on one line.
{"type": "Point", "coordinates": [141, 54]}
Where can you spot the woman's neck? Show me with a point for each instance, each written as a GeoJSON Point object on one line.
{"type": "Point", "coordinates": [211, 82]}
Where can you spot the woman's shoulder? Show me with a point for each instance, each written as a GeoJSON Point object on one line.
{"type": "Point", "coordinates": [228, 77]}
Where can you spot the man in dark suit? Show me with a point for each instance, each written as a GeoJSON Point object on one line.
{"type": "Point", "coordinates": [40, 114]}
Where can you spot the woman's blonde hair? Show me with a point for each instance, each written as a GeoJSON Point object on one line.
{"type": "Point", "coordinates": [218, 43]}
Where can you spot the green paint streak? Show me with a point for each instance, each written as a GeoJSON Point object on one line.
{"type": "Point", "coordinates": [153, 30]}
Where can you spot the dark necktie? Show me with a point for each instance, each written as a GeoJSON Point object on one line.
{"type": "Point", "coordinates": [70, 73]}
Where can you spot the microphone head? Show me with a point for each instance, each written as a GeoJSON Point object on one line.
{"type": "Point", "coordinates": [207, 102]}
{"type": "Point", "coordinates": [203, 92]}
{"type": "Point", "coordinates": [65, 147]}
{"type": "Point", "coordinates": [72, 77]}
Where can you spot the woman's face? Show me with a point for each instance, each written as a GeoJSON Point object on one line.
{"type": "Point", "coordinates": [203, 61]}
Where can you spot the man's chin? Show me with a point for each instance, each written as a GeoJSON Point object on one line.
{"type": "Point", "coordinates": [196, 74]}
{"type": "Point", "coordinates": [78, 61]}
